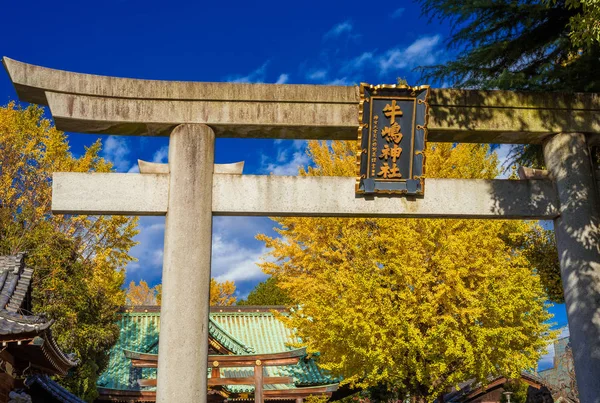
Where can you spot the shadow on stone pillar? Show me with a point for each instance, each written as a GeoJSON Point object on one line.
{"type": "Point", "coordinates": [578, 238]}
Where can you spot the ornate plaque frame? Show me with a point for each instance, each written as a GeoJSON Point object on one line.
{"type": "Point", "coordinates": [392, 139]}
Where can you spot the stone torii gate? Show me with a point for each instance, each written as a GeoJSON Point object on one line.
{"type": "Point", "coordinates": [194, 113]}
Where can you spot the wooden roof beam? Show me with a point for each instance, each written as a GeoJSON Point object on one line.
{"type": "Point", "coordinates": [144, 360]}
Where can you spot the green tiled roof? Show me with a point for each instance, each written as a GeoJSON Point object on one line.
{"type": "Point", "coordinates": [266, 334]}
{"type": "Point", "coordinates": [139, 331]}
{"type": "Point", "coordinates": [241, 332]}
{"type": "Point", "coordinates": [261, 330]}
{"type": "Point", "coordinates": [227, 340]}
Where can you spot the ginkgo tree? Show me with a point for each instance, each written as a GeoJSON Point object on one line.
{"type": "Point", "coordinates": [143, 294]}
{"type": "Point", "coordinates": [414, 305]}
{"type": "Point", "coordinates": [79, 260]}
{"type": "Point", "coordinates": [221, 293]}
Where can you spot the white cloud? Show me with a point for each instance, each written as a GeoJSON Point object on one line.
{"type": "Point", "coordinates": [256, 76]}
{"type": "Point", "coordinates": [235, 251]}
{"type": "Point", "coordinates": [244, 228]}
{"type": "Point", "coordinates": [161, 155]}
{"type": "Point", "coordinates": [283, 78]}
{"type": "Point", "coordinates": [116, 150]}
{"type": "Point", "coordinates": [502, 152]}
{"type": "Point", "coordinates": [420, 52]}
{"type": "Point", "coordinates": [232, 261]}
{"type": "Point", "coordinates": [341, 81]}
{"type": "Point", "coordinates": [358, 63]}
{"type": "Point", "coordinates": [283, 152]}
{"type": "Point", "coordinates": [135, 168]}
{"type": "Point", "coordinates": [339, 29]}
{"type": "Point", "coordinates": [284, 164]}
{"type": "Point", "coordinates": [282, 155]}
{"type": "Point", "coordinates": [299, 144]}
{"type": "Point", "coordinates": [346, 72]}
{"type": "Point", "coordinates": [398, 13]}
{"type": "Point", "coordinates": [317, 75]}
{"type": "Point", "coordinates": [289, 168]}
{"type": "Point", "coordinates": [149, 251]}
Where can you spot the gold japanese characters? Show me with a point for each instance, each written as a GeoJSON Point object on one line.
{"type": "Point", "coordinates": [392, 137]}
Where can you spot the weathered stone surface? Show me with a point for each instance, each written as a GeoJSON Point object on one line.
{"type": "Point", "coordinates": [183, 338]}
{"type": "Point", "coordinates": [97, 104]}
{"type": "Point", "coordinates": [235, 168]}
{"type": "Point", "coordinates": [334, 196]}
{"type": "Point", "coordinates": [304, 120]}
{"type": "Point", "coordinates": [109, 193]}
{"type": "Point", "coordinates": [507, 125]}
{"type": "Point", "coordinates": [513, 99]}
{"type": "Point", "coordinates": [87, 114]}
{"type": "Point", "coordinates": [146, 167]}
{"type": "Point", "coordinates": [264, 195]}
{"type": "Point", "coordinates": [532, 173]}
{"type": "Point", "coordinates": [577, 231]}
{"type": "Point", "coordinates": [32, 81]}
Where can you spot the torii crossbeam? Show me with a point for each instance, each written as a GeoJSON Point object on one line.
{"type": "Point", "coordinates": [190, 191]}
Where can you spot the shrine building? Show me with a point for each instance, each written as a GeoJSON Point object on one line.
{"type": "Point", "coordinates": [29, 353]}
{"type": "Point", "coordinates": [247, 345]}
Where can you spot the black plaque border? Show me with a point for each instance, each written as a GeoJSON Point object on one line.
{"type": "Point", "coordinates": [366, 91]}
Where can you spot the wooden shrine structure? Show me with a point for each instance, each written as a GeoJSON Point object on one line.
{"type": "Point", "coordinates": [255, 361]}
{"type": "Point", "coordinates": [249, 358]}
{"type": "Point", "coordinates": [28, 349]}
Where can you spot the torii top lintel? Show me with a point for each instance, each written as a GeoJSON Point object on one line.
{"type": "Point", "coordinates": [100, 104]}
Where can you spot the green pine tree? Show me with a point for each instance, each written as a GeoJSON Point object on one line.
{"type": "Point", "coordinates": [526, 45]}
{"type": "Point", "coordinates": [514, 45]}
{"type": "Point", "coordinates": [266, 293]}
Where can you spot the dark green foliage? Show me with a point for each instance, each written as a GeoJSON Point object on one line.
{"type": "Point", "coordinates": [543, 255]}
{"type": "Point", "coordinates": [519, 391]}
{"type": "Point", "coordinates": [513, 45]}
{"type": "Point", "coordinates": [529, 155]}
{"type": "Point", "coordinates": [266, 293]}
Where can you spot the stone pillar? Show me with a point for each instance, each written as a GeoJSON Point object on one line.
{"type": "Point", "coordinates": [183, 343]}
{"type": "Point", "coordinates": [578, 238]}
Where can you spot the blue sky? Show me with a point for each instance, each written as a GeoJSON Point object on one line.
{"type": "Point", "coordinates": [334, 42]}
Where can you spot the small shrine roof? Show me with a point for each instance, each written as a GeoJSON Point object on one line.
{"type": "Point", "coordinates": [53, 389]}
{"type": "Point", "coordinates": [470, 390]}
{"type": "Point", "coordinates": [17, 325]}
{"type": "Point", "coordinates": [15, 278]}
